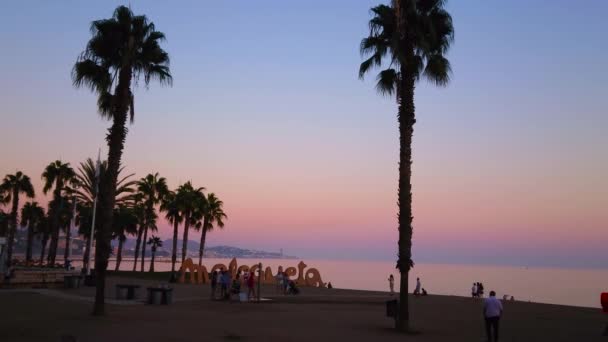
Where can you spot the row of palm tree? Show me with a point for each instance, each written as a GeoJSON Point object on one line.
{"type": "Point", "coordinates": [135, 212]}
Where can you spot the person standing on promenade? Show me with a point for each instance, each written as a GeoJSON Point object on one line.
{"type": "Point", "coordinates": [279, 280]}
{"type": "Point", "coordinates": [492, 310]}
{"type": "Point", "coordinates": [391, 284]}
{"type": "Point", "coordinates": [251, 286]}
{"type": "Point", "coordinates": [418, 286]}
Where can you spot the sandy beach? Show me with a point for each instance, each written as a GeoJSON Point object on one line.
{"type": "Point", "coordinates": [315, 315]}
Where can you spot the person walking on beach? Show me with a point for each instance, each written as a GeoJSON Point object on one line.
{"type": "Point", "coordinates": [480, 290]}
{"type": "Point", "coordinates": [391, 284]}
{"type": "Point", "coordinates": [492, 310]}
{"type": "Point", "coordinates": [418, 286]}
{"type": "Point", "coordinates": [474, 290]}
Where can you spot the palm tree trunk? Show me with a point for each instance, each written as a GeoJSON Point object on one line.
{"type": "Point", "coordinates": [202, 245]}
{"type": "Point", "coordinates": [119, 253]}
{"type": "Point", "coordinates": [115, 138]}
{"type": "Point", "coordinates": [185, 240]}
{"type": "Point", "coordinates": [68, 237]}
{"type": "Point", "coordinates": [174, 254]}
{"type": "Point", "coordinates": [152, 261]}
{"type": "Point", "coordinates": [30, 241]}
{"type": "Point", "coordinates": [406, 120]}
{"type": "Point", "coordinates": [50, 259]}
{"type": "Point", "coordinates": [55, 226]}
{"type": "Point", "coordinates": [12, 228]}
{"type": "Point", "coordinates": [143, 248]}
{"type": "Point", "coordinates": [87, 251]}
{"type": "Point", "coordinates": [45, 240]}
{"type": "Point", "coordinates": [140, 231]}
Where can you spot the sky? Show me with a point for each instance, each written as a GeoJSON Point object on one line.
{"type": "Point", "coordinates": [267, 111]}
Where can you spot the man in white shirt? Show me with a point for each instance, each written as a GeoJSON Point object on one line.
{"type": "Point", "coordinates": [492, 310]}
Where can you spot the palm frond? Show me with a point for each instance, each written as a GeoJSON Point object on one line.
{"type": "Point", "coordinates": [438, 70]}
{"type": "Point", "coordinates": [387, 82]}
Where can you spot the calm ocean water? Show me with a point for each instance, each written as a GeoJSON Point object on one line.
{"type": "Point", "coordinates": [577, 287]}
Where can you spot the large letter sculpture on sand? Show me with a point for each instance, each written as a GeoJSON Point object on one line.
{"type": "Point", "coordinates": [200, 275]}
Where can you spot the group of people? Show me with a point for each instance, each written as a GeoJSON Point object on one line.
{"type": "Point", "coordinates": [230, 286]}
{"type": "Point", "coordinates": [492, 307]}
{"type": "Point", "coordinates": [285, 285]}
{"type": "Point", "coordinates": [477, 290]}
{"type": "Point", "coordinates": [418, 291]}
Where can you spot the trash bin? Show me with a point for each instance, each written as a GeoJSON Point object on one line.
{"type": "Point", "coordinates": [168, 296]}
{"type": "Point", "coordinates": [76, 282]}
{"type": "Point", "coordinates": [121, 293]}
{"type": "Point", "coordinates": [392, 308]}
{"type": "Point", "coordinates": [89, 280]}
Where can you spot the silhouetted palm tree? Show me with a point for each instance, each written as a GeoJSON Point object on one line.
{"type": "Point", "coordinates": [191, 199]}
{"type": "Point", "coordinates": [125, 188]}
{"type": "Point", "coordinates": [213, 215]}
{"type": "Point", "coordinates": [121, 49]}
{"type": "Point", "coordinates": [125, 223]}
{"type": "Point", "coordinates": [33, 217]}
{"type": "Point", "coordinates": [12, 186]}
{"type": "Point", "coordinates": [155, 242]}
{"type": "Point", "coordinates": [44, 233]}
{"type": "Point", "coordinates": [56, 176]}
{"type": "Point", "coordinates": [4, 217]}
{"type": "Point", "coordinates": [4, 221]}
{"type": "Point", "coordinates": [171, 206]}
{"type": "Point", "coordinates": [411, 38]}
{"type": "Point", "coordinates": [153, 189]}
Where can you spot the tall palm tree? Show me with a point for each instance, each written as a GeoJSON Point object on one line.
{"type": "Point", "coordinates": [12, 186]}
{"type": "Point", "coordinates": [171, 206]}
{"type": "Point", "coordinates": [125, 223]}
{"type": "Point", "coordinates": [71, 214]}
{"type": "Point", "coordinates": [140, 212]}
{"type": "Point", "coordinates": [56, 176]}
{"type": "Point", "coordinates": [44, 233]}
{"type": "Point", "coordinates": [32, 216]}
{"type": "Point", "coordinates": [154, 243]}
{"type": "Point", "coordinates": [85, 194]}
{"type": "Point", "coordinates": [121, 49]}
{"type": "Point", "coordinates": [191, 199]}
{"type": "Point", "coordinates": [410, 37]}
{"type": "Point", "coordinates": [213, 214]}
{"type": "Point", "coordinates": [4, 220]}
{"type": "Point", "coordinates": [153, 189]}
{"type": "Point", "coordinates": [4, 217]}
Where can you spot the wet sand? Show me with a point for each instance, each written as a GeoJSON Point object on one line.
{"type": "Point", "coordinates": [315, 315]}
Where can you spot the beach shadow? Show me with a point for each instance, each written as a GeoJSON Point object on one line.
{"type": "Point", "coordinates": [232, 337]}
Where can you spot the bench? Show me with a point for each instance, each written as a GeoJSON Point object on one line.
{"type": "Point", "coordinates": [160, 295]}
{"type": "Point", "coordinates": [71, 281]}
{"type": "Point", "coordinates": [130, 293]}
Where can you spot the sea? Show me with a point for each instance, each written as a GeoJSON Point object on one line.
{"type": "Point", "coordinates": [563, 286]}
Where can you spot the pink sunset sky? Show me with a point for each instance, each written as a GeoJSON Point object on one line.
{"type": "Point", "coordinates": [510, 161]}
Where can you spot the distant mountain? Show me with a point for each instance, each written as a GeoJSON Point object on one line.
{"type": "Point", "coordinates": [226, 252]}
